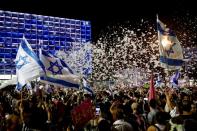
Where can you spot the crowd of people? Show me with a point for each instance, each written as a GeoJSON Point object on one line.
{"type": "Point", "coordinates": [121, 108]}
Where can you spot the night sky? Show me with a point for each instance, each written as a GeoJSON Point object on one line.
{"type": "Point", "coordinates": [101, 13]}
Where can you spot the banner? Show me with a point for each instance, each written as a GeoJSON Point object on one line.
{"type": "Point", "coordinates": [151, 89]}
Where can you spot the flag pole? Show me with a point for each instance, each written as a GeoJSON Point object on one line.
{"type": "Point", "coordinates": [166, 68]}
{"type": "Point", "coordinates": [157, 16]}
{"type": "Point", "coordinates": [22, 92]}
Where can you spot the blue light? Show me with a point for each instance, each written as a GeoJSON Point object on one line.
{"type": "Point", "coordinates": [56, 33]}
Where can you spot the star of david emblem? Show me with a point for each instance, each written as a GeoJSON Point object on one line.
{"type": "Point", "coordinates": [171, 49]}
{"type": "Point", "coordinates": [169, 52]}
{"type": "Point", "coordinates": [21, 62]}
{"type": "Point", "coordinates": [55, 68]}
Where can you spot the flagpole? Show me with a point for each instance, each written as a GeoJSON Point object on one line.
{"type": "Point", "coordinates": [22, 92]}
{"type": "Point", "coordinates": [157, 16]}
{"type": "Point", "coordinates": [166, 69]}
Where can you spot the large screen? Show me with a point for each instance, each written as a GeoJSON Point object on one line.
{"type": "Point", "coordinates": [51, 33]}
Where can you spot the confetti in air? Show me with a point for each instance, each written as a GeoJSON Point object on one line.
{"type": "Point", "coordinates": [130, 50]}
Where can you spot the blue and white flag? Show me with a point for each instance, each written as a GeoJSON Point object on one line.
{"type": "Point", "coordinates": [174, 79]}
{"type": "Point", "coordinates": [58, 73]}
{"type": "Point", "coordinates": [28, 66]}
{"type": "Point", "coordinates": [87, 87]}
{"type": "Point", "coordinates": [158, 81]}
{"type": "Point", "coordinates": [171, 54]}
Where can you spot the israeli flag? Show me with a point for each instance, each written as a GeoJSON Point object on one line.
{"type": "Point", "coordinates": [28, 66]}
{"type": "Point", "coordinates": [58, 73]}
{"type": "Point", "coordinates": [174, 79]}
{"type": "Point", "coordinates": [158, 81]}
{"type": "Point", "coordinates": [87, 87]}
{"type": "Point", "coordinates": [171, 54]}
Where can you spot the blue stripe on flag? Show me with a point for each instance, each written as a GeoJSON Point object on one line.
{"type": "Point", "coordinates": [18, 86]}
{"type": "Point", "coordinates": [31, 53]}
{"type": "Point", "coordinates": [60, 82]}
{"type": "Point", "coordinates": [45, 53]}
{"type": "Point", "coordinates": [86, 86]}
{"type": "Point", "coordinates": [171, 62]}
{"type": "Point", "coordinates": [89, 90]}
{"type": "Point", "coordinates": [65, 65]}
{"type": "Point", "coordinates": [163, 32]}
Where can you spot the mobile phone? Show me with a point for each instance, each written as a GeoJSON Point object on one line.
{"type": "Point", "coordinates": [97, 111]}
{"type": "Point", "coordinates": [146, 99]}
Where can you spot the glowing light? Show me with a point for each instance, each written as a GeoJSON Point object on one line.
{"type": "Point", "coordinates": [166, 43]}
